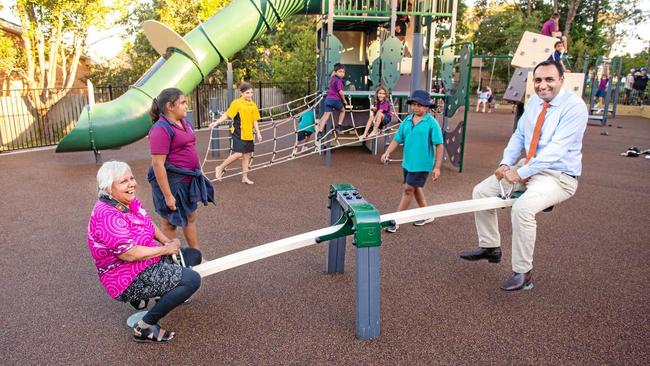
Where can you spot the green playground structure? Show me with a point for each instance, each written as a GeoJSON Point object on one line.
{"type": "Point", "coordinates": [126, 119]}
{"type": "Point", "coordinates": [361, 34]}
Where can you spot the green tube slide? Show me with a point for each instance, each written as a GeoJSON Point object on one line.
{"type": "Point", "coordinates": [126, 119]}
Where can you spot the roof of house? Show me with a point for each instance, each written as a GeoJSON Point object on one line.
{"type": "Point", "coordinates": [10, 27]}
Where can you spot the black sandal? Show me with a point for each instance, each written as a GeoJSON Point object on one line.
{"type": "Point", "coordinates": [152, 334]}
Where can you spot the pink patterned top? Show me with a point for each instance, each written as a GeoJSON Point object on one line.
{"type": "Point", "coordinates": [112, 232]}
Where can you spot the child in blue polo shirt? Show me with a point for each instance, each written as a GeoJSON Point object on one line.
{"type": "Point", "coordinates": [422, 139]}
{"type": "Point", "coordinates": [304, 131]}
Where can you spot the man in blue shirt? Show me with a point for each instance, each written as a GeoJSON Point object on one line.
{"type": "Point", "coordinates": [550, 132]}
{"type": "Point", "coordinates": [422, 139]}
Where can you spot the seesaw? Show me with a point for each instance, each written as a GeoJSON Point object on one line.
{"type": "Point", "coordinates": [351, 214]}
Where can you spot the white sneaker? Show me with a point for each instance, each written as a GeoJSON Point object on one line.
{"type": "Point", "coordinates": [391, 229]}
{"type": "Point", "coordinates": [303, 149]}
{"type": "Point", "coordinates": [424, 222]}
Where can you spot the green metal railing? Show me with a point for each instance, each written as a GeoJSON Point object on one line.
{"type": "Point", "coordinates": [382, 8]}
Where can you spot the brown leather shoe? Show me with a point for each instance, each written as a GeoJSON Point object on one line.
{"type": "Point", "coordinates": [493, 255]}
{"type": "Point", "coordinates": [518, 281]}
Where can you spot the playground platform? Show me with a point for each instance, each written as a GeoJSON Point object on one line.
{"type": "Point", "coordinates": [589, 305]}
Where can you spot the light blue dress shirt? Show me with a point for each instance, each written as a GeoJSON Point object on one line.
{"type": "Point", "coordinates": [560, 143]}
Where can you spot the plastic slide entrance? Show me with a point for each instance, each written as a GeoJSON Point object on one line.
{"type": "Point", "coordinates": [126, 119]}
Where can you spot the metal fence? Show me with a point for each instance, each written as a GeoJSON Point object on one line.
{"type": "Point", "coordinates": [26, 120]}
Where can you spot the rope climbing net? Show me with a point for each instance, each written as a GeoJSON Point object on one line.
{"type": "Point", "coordinates": [280, 128]}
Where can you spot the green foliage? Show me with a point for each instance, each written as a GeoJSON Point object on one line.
{"type": "Point", "coordinates": [287, 54]}
{"type": "Point", "coordinates": [636, 61]}
{"type": "Point", "coordinates": [500, 32]}
{"type": "Point", "coordinates": [8, 54]}
{"type": "Point", "coordinates": [496, 26]}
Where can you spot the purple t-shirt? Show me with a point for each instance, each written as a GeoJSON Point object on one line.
{"type": "Point", "coordinates": [183, 147]}
{"type": "Point", "coordinates": [602, 85]}
{"type": "Point", "coordinates": [336, 85]}
{"type": "Point", "coordinates": [384, 106]}
{"type": "Point", "coordinates": [112, 232]}
{"type": "Point", "coordinates": [549, 27]}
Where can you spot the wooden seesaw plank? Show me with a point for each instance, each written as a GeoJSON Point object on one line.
{"type": "Point", "coordinates": [309, 238]}
{"type": "Point", "coordinates": [447, 209]}
{"type": "Point", "coordinates": [263, 251]}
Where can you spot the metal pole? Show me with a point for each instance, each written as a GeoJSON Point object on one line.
{"type": "Point", "coordinates": [367, 293]}
{"type": "Point", "coordinates": [229, 80]}
{"type": "Point", "coordinates": [431, 30]}
{"type": "Point", "coordinates": [619, 84]}
{"type": "Point", "coordinates": [454, 16]}
{"type": "Point", "coordinates": [393, 16]}
{"type": "Point", "coordinates": [418, 52]}
{"type": "Point", "coordinates": [336, 248]}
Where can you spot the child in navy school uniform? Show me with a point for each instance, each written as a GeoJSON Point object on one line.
{"type": "Point", "coordinates": [423, 149]}
{"type": "Point", "coordinates": [335, 99]}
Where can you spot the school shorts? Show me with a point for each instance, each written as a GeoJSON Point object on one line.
{"type": "Point", "coordinates": [303, 135]}
{"type": "Point", "coordinates": [415, 179]}
{"type": "Point", "coordinates": [332, 105]}
{"type": "Point", "coordinates": [385, 122]}
{"type": "Point", "coordinates": [242, 146]}
{"type": "Point", "coordinates": [600, 93]}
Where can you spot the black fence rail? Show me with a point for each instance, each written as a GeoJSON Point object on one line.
{"type": "Point", "coordinates": [29, 120]}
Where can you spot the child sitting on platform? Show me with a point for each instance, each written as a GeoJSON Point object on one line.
{"type": "Point", "coordinates": [380, 115]}
{"type": "Point", "coordinates": [422, 139]}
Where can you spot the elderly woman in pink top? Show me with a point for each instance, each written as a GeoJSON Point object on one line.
{"type": "Point", "coordinates": [132, 255]}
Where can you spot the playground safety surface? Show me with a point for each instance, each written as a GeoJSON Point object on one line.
{"type": "Point", "coordinates": [589, 304]}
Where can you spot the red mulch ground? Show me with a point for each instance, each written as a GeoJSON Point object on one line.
{"type": "Point", "coordinates": [590, 304]}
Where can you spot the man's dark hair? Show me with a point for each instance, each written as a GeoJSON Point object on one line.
{"type": "Point", "coordinates": [555, 16]}
{"type": "Point", "coordinates": [558, 43]}
{"type": "Point", "coordinates": [339, 66]}
{"type": "Point", "coordinates": [557, 65]}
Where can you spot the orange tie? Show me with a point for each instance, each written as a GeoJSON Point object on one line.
{"type": "Point", "coordinates": [537, 132]}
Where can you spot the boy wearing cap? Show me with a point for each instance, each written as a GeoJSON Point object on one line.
{"type": "Point", "coordinates": [422, 139]}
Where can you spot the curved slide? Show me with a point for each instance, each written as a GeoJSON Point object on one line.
{"type": "Point", "coordinates": [126, 119]}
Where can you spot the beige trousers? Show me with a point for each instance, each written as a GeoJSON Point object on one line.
{"type": "Point", "coordinates": [543, 190]}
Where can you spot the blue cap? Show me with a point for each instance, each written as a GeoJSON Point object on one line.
{"type": "Point", "coordinates": [643, 69]}
{"type": "Point", "coordinates": [420, 97]}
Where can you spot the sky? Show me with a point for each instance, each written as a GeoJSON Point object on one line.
{"type": "Point", "coordinates": [106, 44]}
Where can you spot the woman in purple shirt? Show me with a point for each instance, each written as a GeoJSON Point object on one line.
{"type": "Point", "coordinates": [380, 114]}
{"type": "Point", "coordinates": [132, 255]}
{"type": "Point", "coordinates": [177, 182]}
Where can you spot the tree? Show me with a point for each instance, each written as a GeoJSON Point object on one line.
{"type": "Point", "coordinates": [53, 39]}
{"type": "Point", "coordinates": [287, 53]}
{"type": "Point", "coordinates": [8, 55]}
{"type": "Point", "coordinates": [181, 16]}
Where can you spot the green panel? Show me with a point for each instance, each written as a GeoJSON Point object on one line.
{"type": "Point", "coordinates": [391, 56]}
{"type": "Point", "coordinates": [457, 99]}
{"type": "Point", "coordinates": [373, 53]}
{"type": "Point", "coordinates": [447, 65]}
{"type": "Point", "coordinates": [374, 72]}
{"type": "Point", "coordinates": [333, 50]}
{"type": "Point", "coordinates": [126, 119]}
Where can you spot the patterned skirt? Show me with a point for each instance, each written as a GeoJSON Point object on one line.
{"type": "Point", "coordinates": [156, 280]}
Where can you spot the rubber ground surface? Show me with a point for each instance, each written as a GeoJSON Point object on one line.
{"type": "Point", "coordinates": [590, 304]}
